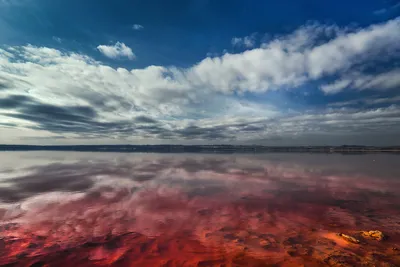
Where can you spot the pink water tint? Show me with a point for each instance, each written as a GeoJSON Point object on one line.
{"type": "Point", "coordinates": [267, 213]}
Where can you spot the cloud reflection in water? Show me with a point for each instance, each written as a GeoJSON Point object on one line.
{"type": "Point", "coordinates": [195, 210]}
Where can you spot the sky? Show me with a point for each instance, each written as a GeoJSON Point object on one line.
{"type": "Point", "coordinates": [289, 72]}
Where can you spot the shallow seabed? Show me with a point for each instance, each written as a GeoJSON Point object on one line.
{"type": "Point", "coordinates": [105, 209]}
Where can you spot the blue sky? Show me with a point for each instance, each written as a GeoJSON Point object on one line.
{"type": "Point", "coordinates": [198, 72]}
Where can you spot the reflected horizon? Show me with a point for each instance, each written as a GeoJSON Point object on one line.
{"type": "Point", "coordinates": [111, 209]}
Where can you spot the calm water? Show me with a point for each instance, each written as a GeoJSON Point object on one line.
{"type": "Point", "coordinates": [104, 209]}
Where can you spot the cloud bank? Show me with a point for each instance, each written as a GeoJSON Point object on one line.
{"type": "Point", "coordinates": [49, 92]}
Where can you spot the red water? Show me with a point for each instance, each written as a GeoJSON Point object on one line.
{"type": "Point", "coordinates": [277, 215]}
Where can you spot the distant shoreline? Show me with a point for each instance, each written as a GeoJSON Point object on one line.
{"type": "Point", "coordinates": [205, 149]}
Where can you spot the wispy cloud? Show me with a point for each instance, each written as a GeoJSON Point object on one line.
{"type": "Point", "coordinates": [137, 27]}
{"type": "Point", "coordinates": [370, 101]}
{"type": "Point", "coordinates": [14, 2]}
{"type": "Point", "coordinates": [119, 50]}
{"type": "Point", "coordinates": [378, 81]}
{"type": "Point", "coordinates": [57, 39]}
{"type": "Point", "coordinates": [380, 11]}
{"type": "Point", "coordinates": [246, 42]}
{"type": "Point", "coordinates": [383, 11]}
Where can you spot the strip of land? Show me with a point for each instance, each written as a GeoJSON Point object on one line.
{"type": "Point", "coordinates": [204, 148]}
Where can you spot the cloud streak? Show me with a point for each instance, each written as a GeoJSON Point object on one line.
{"type": "Point", "coordinates": [382, 81]}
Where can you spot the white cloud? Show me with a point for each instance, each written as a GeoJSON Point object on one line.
{"type": "Point", "coordinates": [137, 27]}
{"type": "Point", "coordinates": [383, 81]}
{"type": "Point", "coordinates": [104, 100]}
{"type": "Point", "coordinates": [382, 100]}
{"type": "Point", "coordinates": [335, 87]}
{"type": "Point", "coordinates": [360, 81]}
{"type": "Point", "coordinates": [249, 42]}
{"type": "Point", "coordinates": [295, 59]}
{"type": "Point", "coordinates": [116, 51]}
{"type": "Point", "coordinates": [349, 49]}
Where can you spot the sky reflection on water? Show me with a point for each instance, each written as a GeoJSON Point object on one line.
{"type": "Point", "coordinates": [104, 209]}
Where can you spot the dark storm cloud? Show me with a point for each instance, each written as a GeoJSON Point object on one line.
{"type": "Point", "coordinates": [144, 119]}
{"type": "Point", "coordinates": [6, 84]}
{"type": "Point", "coordinates": [207, 133]}
{"type": "Point", "coordinates": [59, 137]}
{"type": "Point", "coordinates": [3, 85]}
{"type": "Point", "coordinates": [338, 124]}
{"type": "Point", "coordinates": [13, 83]}
{"type": "Point", "coordinates": [8, 124]}
{"type": "Point", "coordinates": [252, 128]}
{"type": "Point", "coordinates": [77, 119]}
{"type": "Point", "coordinates": [31, 109]}
{"type": "Point", "coordinates": [67, 113]}
{"type": "Point", "coordinates": [14, 101]}
{"type": "Point", "coordinates": [83, 120]}
{"type": "Point", "coordinates": [59, 119]}
{"type": "Point", "coordinates": [110, 104]}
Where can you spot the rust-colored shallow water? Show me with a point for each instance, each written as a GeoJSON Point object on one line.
{"type": "Point", "coordinates": [65, 209]}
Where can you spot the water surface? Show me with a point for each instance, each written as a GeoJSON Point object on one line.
{"type": "Point", "coordinates": [105, 209]}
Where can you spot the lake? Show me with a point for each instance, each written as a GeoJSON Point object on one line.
{"type": "Point", "coordinates": [121, 209]}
